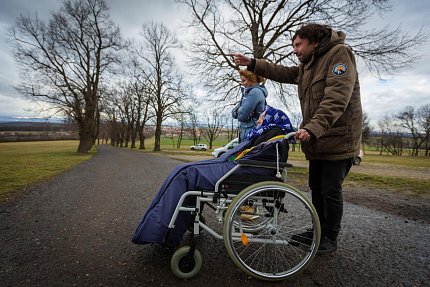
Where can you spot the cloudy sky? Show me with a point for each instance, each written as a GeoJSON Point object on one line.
{"type": "Point", "coordinates": [379, 97]}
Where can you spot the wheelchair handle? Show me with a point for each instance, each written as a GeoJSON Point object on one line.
{"type": "Point", "coordinates": [289, 135]}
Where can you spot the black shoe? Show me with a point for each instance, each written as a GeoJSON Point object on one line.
{"type": "Point", "coordinates": [304, 238]}
{"type": "Point", "coordinates": [327, 246]}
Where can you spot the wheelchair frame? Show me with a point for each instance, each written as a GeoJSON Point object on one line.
{"type": "Point", "coordinates": [258, 224]}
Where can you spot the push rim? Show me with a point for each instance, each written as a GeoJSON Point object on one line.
{"type": "Point", "coordinates": [269, 254]}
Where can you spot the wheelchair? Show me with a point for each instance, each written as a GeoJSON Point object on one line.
{"type": "Point", "coordinates": [259, 216]}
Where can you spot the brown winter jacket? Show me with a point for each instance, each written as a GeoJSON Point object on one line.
{"type": "Point", "coordinates": [329, 94]}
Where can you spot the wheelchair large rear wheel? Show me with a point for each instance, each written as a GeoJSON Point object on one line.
{"type": "Point", "coordinates": [279, 211]}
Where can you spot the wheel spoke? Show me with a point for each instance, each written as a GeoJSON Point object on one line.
{"type": "Point", "coordinates": [282, 212]}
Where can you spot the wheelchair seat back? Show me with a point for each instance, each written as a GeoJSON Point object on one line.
{"type": "Point", "coordinates": [237, 182]}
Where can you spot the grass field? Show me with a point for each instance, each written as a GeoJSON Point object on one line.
{"type": "Point", "coordinates": [373, 157]}
{"type": "Point", "coordinates": [396, 183]}
{"type": "Point", "coordinates": [25, 163]}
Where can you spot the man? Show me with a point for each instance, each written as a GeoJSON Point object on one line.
{"type": "Point", "coordinates": [330, 133]}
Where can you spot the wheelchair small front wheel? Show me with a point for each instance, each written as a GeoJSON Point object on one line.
{"type": "Point", "coordinates": [185, 266]}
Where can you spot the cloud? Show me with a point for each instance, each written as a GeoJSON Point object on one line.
{"type": "Point", "coordinates": [18, 106]}
{"type": "Point", "coordinates": [388, 97]}
{"type": "Point", "coordinates": [408, 87]}
{"type": "Point", "coordinates": [128, 14]}
{"type": "Point", "coordinates": [131, 14]}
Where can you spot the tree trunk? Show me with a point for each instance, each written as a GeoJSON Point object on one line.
{"type": "Point", "coordinates": [142, 141]}
{"type": "Point", "coordinates": [133, 137]}
{"type": "Point", "coordinates": [178, 143]}
{"type": "Point", "coordinates": [96, 124]}
{"type": "Point", "coordinates": [157, 145]}
{"type": "Point", "coordinates": [86, 135]}
{"type": "Point", "coordinates": [85, 143]}
{"type": "Point", "coordinates": [127, 137]}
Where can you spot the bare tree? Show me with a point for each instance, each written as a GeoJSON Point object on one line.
{"type": "Point", "coordinates": [391, 139]}
{"type": "Point", "coordinates": [165, 84]}
{"type": "Point", "coordinates": [127, 106]}
{"type": "Point", "coordinates": [139, 88]}
{"type": "Point", "coordinates": [408, 119]}
{"type": "Point", "coordinates": [424, 123]}
{"type": "Point", "coordinates": [182, 120]}
{"type": "Point", "coordinates": [144, 114]}
{"type": "Point", "coordinates": [131, 96]}
{"type": "Point", "coordinates": [64, 60]}
{"type": "Point", "coordinates": [193, 126]}
{"type": "Point", "coordinates": [118, 105]}
{"type": "Point", "coordinates": [103, 134]}
{"type": "Point", "coordinates": [263, 29]}
{"type": "Point", "coordinates": [121, 112]}
{"type": "Point", "coordinates": [117, 129]}
{"type": "Point", "coordinates": [214, 125]}
{"type": "Point", "coordinates": [367, 129]}
{"type": "Point", "coordinates": [188, 125]}
{"type": "Point", "coordinates": [232, 131]}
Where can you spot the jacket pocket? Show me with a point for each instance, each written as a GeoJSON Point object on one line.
{"type": "Point", "coordinates": [317, 93]}
{"type": "Point", "coordinates": [318, 85]}
{"type": "Point", "coordinates": [336, 141]}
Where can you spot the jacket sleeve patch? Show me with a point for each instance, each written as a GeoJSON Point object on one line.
{"type": "Point", "coordinates": [339, 69]}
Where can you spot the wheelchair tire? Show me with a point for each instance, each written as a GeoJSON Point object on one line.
{"type": "Point", "coordinates": [269, 253]}
{"type": "Point", "coordinates": [183, 266]}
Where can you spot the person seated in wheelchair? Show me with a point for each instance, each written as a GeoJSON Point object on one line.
{"type": "Point", "coordinates": [260, 144]}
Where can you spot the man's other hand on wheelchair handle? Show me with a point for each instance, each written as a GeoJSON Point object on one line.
{"type": "Point", "coordinates": [303, 135]}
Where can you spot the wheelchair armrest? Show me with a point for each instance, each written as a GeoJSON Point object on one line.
{"type": "Point", "coordinates": [258, 163]}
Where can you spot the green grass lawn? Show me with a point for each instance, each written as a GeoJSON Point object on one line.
{"type": "Point", "coordinates": [25, 163]}
{"type": "Point", "coordinates": [168, 143]}
{"type": "Point", "coordinates": [169, 146]}
{"type": "Point", "coordinates": [407, 161]}
{"type": "Point", "coordinates": [394, 183]}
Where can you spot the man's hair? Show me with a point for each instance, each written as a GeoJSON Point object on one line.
{"type": "Point", "coordinates": [315, 33]}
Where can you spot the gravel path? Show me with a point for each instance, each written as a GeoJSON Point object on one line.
{"type": "Point", "coordinates": [75, 230]}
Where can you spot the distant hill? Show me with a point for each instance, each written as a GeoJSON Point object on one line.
{"type": "Point", "coordinates": [36, 131]}
{"type": "Point", "coordinates": [17, 119]}
{"type": "Point", "coordinates": [29, 126]}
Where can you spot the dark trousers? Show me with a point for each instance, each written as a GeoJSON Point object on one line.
{"type": "Point", "coordinates": [325, 180]}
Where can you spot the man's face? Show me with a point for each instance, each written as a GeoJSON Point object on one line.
{"type": "Point", "coordinates": [303, 49]}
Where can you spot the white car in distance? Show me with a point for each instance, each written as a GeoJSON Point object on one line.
{"type": "Point", "coordinates": [202, 147]}
{"type": "Point", "coordinates": [219, 151]}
